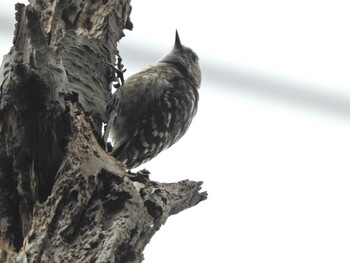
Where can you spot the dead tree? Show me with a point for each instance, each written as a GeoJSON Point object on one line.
{"type": "Point", "coordinates": [63, 198]}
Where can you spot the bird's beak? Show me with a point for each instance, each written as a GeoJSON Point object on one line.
{"type": "Point", "coordinates": [177, 41]}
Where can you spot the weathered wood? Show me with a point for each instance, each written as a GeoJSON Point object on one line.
{"type": "Point", "coordinates": [62, 197]}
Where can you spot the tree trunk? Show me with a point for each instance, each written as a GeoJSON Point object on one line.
{"type": "Point", "coordinates": [62, 197]}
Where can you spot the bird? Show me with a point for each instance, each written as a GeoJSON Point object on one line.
{"type": "Point", "coordinates": [154, 108]}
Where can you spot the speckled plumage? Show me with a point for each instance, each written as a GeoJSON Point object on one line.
{"type": "Point", "coordinates": [156, 107]}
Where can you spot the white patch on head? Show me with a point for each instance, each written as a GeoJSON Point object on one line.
{"type": "Point", "coordinates": [161, 134]}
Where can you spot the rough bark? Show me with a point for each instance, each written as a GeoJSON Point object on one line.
{"type": "Point", "coordinates": [62, 197]}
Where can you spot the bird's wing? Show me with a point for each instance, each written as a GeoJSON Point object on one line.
{"type": "Point", "coordinates": [140, 93]}
{"type": "Point", "coordinates": [142, 90]}
{"type": "Point", "coordinates": [163, 122]}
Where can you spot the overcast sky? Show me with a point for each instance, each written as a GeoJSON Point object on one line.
{"type": "Point", "coordinates": [271, 137]}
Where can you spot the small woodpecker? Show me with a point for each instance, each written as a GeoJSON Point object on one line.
{"type": "Point", "coordinates": [155, 107]}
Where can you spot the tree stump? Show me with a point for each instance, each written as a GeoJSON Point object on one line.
{"type": "Point", "coordinates": [63, 198]}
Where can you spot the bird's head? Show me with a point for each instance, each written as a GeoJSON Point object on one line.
{"type": "Point", "coordinates": [185, 59]}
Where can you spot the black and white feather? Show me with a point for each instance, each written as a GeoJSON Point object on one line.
{"type": "Point", "coordinates": [156, 107]}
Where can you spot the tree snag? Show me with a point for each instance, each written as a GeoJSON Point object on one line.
{"type": "Point", "coordinates": [62, 197]}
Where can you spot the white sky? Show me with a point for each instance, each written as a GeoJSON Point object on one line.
{"type": "Point", "coordinates": [271, 138]}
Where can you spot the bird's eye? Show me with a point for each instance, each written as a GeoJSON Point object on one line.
{"type": "Point", "coordinates": [194, 57]}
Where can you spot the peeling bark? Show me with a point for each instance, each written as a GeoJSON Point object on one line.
{"type": "Point", "coordinates": [62, 197]}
